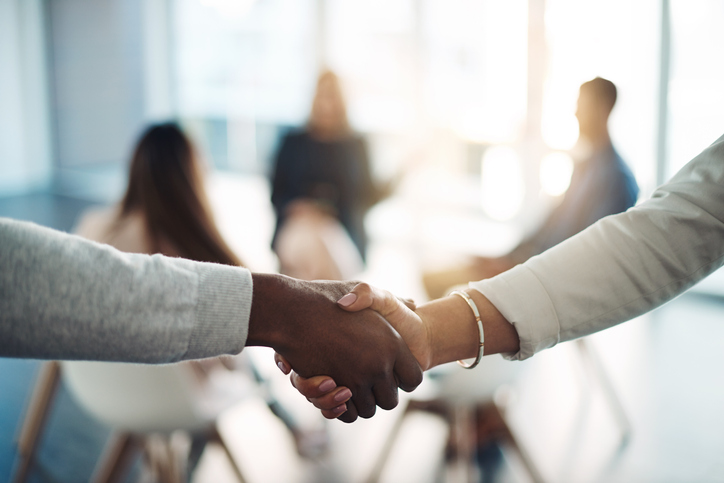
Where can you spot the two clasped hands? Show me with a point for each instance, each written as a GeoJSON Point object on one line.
{"type": "Point", "coordinates": [351, 346]}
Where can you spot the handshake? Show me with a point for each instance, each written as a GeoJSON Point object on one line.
{"type": "Point", "coordinates": [351, 345]}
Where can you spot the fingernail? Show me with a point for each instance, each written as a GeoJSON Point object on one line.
{"type": "Point", "coordinates": [343, 395]}
{"type": "Point", "coordinates": [347, 300]}
{"type": "Point", "coordinates": [327, 385]}
{"type": "Point", "coordinates": [282, 367]}
{"type": "Point", "coordinates": [340, 409]}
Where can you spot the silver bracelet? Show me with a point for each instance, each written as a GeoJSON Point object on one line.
{"type": "Point", "coordinates": [479, 321]}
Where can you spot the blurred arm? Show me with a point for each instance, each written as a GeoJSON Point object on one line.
{"type": "Point", "coordinates": [64, 297]}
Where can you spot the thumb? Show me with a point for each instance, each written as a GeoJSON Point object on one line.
{"type": "Point", "coordinates": [364, 296]}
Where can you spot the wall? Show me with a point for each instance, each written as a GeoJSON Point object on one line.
{"type": "Point", "coordinates": [25, 139]}
{"type": "Point", "coordinates": [109, 73]}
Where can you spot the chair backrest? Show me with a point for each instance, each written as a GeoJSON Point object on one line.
{"type": "Point", "coordinates": [136, 398]}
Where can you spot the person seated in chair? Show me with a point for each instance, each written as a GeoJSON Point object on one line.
{"type": "Point", "coordinates": [166, 210]}
{"type": "Point", "coordinates": [322, 188]}
{"type": "Point", "coordinates": [601, 185]}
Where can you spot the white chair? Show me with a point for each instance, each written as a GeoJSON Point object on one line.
{"type": "Point", "coordinates": [138, 400]}
{"type": "Point", "coordinates": [458, 396]}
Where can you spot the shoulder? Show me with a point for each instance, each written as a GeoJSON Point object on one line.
{"type": "Point", "coordinates": [621, 168]}
{"type": "Point", "coordinates": [621, 176]}
{"type": "Point", "coordinates": [357, 139]}
{"type": "Point", "coordinates": [95, 222]}
{"type": "Point", "coordinates": [127, 234]}
{"type": "Point", "coordinates": [296, 136]}
{"type": "Point", "coordinates": [292, 143]}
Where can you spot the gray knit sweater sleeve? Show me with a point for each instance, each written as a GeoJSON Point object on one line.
{"type": "Point", "coordinates": [63, 297]}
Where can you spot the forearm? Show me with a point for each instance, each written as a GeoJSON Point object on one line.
{"type": "Point", "coordinates": [454, 331]}
{"type": "Point", "coordinates": [64, 297]}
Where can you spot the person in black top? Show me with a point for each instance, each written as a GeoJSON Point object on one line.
{"type": "Point", "coordinates": [322, 175]}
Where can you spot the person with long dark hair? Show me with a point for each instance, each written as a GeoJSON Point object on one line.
{"type": "Point", "coordinates": [165, 209]}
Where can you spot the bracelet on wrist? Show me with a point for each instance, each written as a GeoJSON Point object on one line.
{"type": "Point", "coordinates": [479, 323]}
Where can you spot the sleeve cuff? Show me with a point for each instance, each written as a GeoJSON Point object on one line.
{"type": "Point", "coordinates": [222, 311]}
{"type": "Point", "coordinates": [523, 300]}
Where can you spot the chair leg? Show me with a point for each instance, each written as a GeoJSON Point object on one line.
{"type": "Point", "coordinates": [513, 441]}
{"type": "Point", "coordinates": [117, 459]}
{"type": "Point", "coordinates": [609, 391]}
{"type": "Point", "coordinates": [44, 392]}
{"type": "Point", "coordinates": [464, 431]}
{"type": "Point", "coordinates": [216, 437]}
{"type": "Point", "coordinates": [379, 466]}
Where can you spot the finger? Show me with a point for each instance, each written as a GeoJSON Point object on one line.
{"type": "Point", "coordinates": [332, 399]}
{"type": "Point", "coordinates": [334, 413]}
{"type": "Point", "coordinates": [407, 370]}
{"type": "Point", "coordinates": [364, 401]}
{"type": "Point", "coordinates": [386, 395]}
{"type": "Point", "coordinates": [313, 387]}
{"type": "Point", "coordinates": [349, 416]}
{"type": "Point", "coordinates": [282, 363]}
{"type": "Point", "coordinates": [357, 299]}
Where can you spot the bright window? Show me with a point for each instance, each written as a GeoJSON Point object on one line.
{"type": "Point", "coordinates": [696, 88]}
{"type": "Point", "coordinates": [615, 39]}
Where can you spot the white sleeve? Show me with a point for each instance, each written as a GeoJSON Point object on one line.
{"type": "Point", "coordinates": [622, 266]}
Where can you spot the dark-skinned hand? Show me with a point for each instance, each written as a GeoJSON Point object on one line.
{"type": "Point", "coordinates": [359, 350]}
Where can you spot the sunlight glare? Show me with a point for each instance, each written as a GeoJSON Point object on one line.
{"type": "Point", "coordinates": [559, 125]}
{"type": "Point", "coordinates": [502, 182]}
{"type": "Point", "coordinates": [555, 173]}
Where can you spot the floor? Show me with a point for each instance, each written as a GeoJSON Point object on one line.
{"type": "Point", "coordinates": [667, 368]}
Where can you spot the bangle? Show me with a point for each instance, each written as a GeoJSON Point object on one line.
{"type": "Point", "coordinates": [479, 321]}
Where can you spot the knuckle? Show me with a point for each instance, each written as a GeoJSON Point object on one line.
{"type": "Point", "coordinates": [363, 288]}
{"type": "Point", "coordinates": [347, 418]}
{"type": "Point", "coordinates": [368, 413]}
{"type": "Point", "coordinates": [418, 378]}
{"type": "Point", "coordinates": [389, 404]}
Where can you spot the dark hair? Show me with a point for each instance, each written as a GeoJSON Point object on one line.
{"type": "Point", "coordinates": [603, 90]}
{"type": "Point", "coordinates": [166, 187]}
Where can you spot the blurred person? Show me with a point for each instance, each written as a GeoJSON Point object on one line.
{"type": "Point", "coordinates": [165, 210]}
{"type": "Point", "coordinates": [601, 185]}
{"type": "Point", "coordinates": [322, 189]}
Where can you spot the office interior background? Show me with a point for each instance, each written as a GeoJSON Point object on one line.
{"type": "Point", "coordinates": [470, 105]}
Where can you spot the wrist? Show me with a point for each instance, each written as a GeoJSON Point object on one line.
{"type": "Point", "coordinates": [451, 329]}
{"type": "Point", "coordinates": [453, 332]}
{"type": "Point", "coordinates": [266, 319]}
{"type": "Point", "coordinates": [500, 335]}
